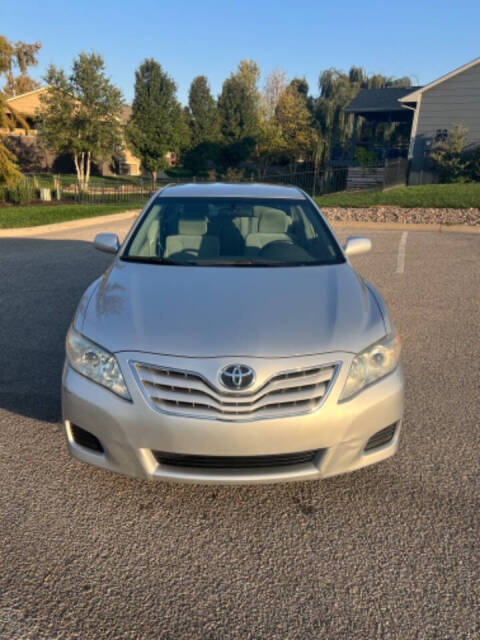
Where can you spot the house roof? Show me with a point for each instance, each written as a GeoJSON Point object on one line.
{"type": "Point", "coordinates": [413, 97]}
{"type": "Point", "coordinates": [379, 100]}
{"type": "Point", "coordinates": [27, 93]}
{"type": "Point", "coordinates": [27, 103]}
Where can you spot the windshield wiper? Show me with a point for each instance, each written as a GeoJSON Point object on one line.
{"type": "Point", "coordinates": [252, 262]}
{"type": "Point", "coordinates": [156, 260]}
{"type": "Point", "coordinates": [226, 263]}
{"type": "Point", "coordinates": [243, 262]}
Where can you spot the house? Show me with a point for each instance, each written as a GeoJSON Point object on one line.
{"type": "Point", "coordinates": [427, 112]}
{"type": "Point", "coordinates": [32, 156]}
{"type": "Point", "coordinates": [382, 106]}
{"type": "Point", "coordinates": [453, 99]}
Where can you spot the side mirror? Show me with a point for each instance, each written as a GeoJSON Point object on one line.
{"type": "Point", "coordinates": [107, 242]}
{"type": "Point", "coordinates": [355, 246]}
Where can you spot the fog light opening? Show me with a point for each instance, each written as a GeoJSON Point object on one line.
{"type": "Point", "coordinates": [381, 438]}
{"type": "Point", "coordinates": [86, 439]}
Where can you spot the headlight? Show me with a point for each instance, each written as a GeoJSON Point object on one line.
{"type": "Point", "coordinates": [95, 363]}
{"type": "Point", "coordinates": [375, 362]}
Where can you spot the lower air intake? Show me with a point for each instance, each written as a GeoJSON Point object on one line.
{"type": "Point", "coordinates": [235, 462]}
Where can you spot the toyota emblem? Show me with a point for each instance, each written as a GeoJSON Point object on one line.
{"type": "Point", "coordinates": [237, 377]}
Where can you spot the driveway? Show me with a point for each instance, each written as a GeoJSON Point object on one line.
{"type": "Point", "coordinates": [387, 552]}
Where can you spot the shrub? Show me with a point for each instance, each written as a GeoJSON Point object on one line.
{"type": "Point", "coordinates": [15, 193]}
{"type": "Point", "coordinates": [474, 164]}
{"type": "Point", "coordinates": [448, 156]}
{"type": "Point", "coordinates": [178, 172]}
{"type": "Point", "coordinates": [234, 175]}
{"type": "Point", "coordinates": [365, 157]}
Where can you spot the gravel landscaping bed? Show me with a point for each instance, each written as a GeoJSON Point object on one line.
{"type": "Point", "coordinates": [416, 215]}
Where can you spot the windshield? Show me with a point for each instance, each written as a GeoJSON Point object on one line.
{"type": "Point", "coordinates": [232, 231]}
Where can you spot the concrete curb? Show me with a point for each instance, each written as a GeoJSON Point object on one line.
{"type": "Point", "coordinates": [337, 224]}
{"type": "Point", "coordinates": [404, 226]}
{"type": "Point", "coordinates": [71, 224]}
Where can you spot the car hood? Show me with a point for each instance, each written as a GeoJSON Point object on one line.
{"type": "Point", "coordinates": [230, 311]}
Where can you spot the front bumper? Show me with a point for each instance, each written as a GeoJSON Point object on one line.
{"type": "Point", "coordinates": [131, 431]}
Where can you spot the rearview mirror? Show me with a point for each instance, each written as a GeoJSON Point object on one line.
{"type": "Point", "coordinates": [354, 246]}
{"type": "Point", "coordinates": [107, 242]}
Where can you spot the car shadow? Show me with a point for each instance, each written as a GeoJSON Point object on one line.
{"type": "Point", "coordinates": [41, 282]}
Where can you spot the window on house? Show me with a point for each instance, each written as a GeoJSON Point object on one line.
{"type": "Point", "coordinates": [441, 135]}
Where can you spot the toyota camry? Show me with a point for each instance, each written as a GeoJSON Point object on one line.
{"type": "Point", "coordinates": [231, 341]}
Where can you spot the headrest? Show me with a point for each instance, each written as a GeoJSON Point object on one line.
{"type": "Point", "coordinates": [273, 221]}
{"type": "Point", "coordinates": [192, 226]}
{"type": "Point", "coordinates": [243, 211]}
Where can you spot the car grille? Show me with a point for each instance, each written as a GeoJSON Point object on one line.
{"type": "Point", "coordinates": [235, 462]}
{"type": "Point", "coordinates": [189, 394]}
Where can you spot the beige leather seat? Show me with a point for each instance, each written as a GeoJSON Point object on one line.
{"type": "Point", "coordinates": [149, 247]}
{"type": "Point", "coordinates": [192, 239]}
{"type": "Point", "coordinates": [272, 226]}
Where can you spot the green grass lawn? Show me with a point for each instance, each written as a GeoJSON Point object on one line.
{"type": "Point", "coordinates": [34, 215]}
{"type": "Point", "coordinates": [458, 196]}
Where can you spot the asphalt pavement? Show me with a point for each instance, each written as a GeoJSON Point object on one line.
{"type": "Point", "coordinates": [390, 551]}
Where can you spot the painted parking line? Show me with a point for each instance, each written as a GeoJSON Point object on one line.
{"type": "Point", "coordinates": [401, 253]}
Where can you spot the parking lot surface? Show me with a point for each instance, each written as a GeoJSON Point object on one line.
{"type": "Point", "coordinates": [391, 551]}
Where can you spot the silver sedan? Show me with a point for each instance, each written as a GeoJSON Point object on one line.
{"type": "Point", "coordinates": [231, 341]}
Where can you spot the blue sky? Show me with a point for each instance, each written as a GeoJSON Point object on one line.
{"type": "Point", "coordinates": [420, 38]}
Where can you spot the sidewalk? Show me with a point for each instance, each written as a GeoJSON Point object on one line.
{"type": "Point", "coordinates": [116, 217]}
{"type": "Point", "coordinates": [71, 224]}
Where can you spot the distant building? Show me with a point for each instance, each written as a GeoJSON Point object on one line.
{"type": "Point", "coordinates": [429, 113]}
{"type": "Point", "coordinates": [32, 156]}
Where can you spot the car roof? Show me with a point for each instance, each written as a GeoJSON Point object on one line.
{"type": "Point", "coordinates": [231, 190]}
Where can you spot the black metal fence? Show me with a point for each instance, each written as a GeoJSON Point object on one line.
{"type": "Point", "coordinates": [315, 183]}
{"type": "Point", "coordinates": [366, 154]}
{"type": "Point", "coordinates": [136, 191]}
{"type": "Point", "coordinates": [395, 173]}
{"type": "Point", "coordinates": [98, 191]}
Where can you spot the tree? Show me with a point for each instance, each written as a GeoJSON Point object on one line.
{"type": "Point", "coordinates": [157, 124]}
{"type": "Point", "coordinates": [298, 137]}
{"type": "Point", "coordinates": [185, 131]}
{"type": "Point", "coordinates": [20, 84]}
{"type": "Point", "coordinates": [205, 125]}
{"type": "Point", "coordinates": [238, 104]}
{"type": "Point", "coordinates": [17, 56]}
{"type": "Point", "coordinates": [269, 138]}
{"type": "Point", "coordinates": [337, 89]}
{"type": "Point", "coordinates": [300, 85]}
{"type": "Point", "coordinates": [448, 157]}
{"type": "Point", "coordinates": [275, 83]}
{"type": "Point", "coordinates": [80, 113]}
{"type": "Point", "coordinates": [9, 172]}
{"type": "Point", "coordinates": [13, 55]}
{"type": "Point", "coordinates": [249, 74]}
